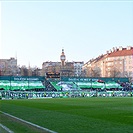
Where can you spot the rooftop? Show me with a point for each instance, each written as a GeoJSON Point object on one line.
{"type": "Point", "coordinates": [121, 52]}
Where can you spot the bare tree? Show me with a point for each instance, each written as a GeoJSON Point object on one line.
{"type": "Point", "coordinates": [36, 72]}
{"type": "Point", "coordinates": [96, 72]}
{"type": "Point", "coordinates": [126, 74]}
{"type": "Point", "coordinates": [24, 71]}
{"type": "Point", "coordinates": [88, 72]}
{"type": "Point", "coordinates": [115, 73]}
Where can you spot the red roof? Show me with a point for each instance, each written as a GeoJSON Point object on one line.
{"type": "Point", "coordinates": [123, 52]}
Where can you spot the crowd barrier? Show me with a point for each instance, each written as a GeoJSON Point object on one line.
{"type": "Point", "coordinates": [64, 94]}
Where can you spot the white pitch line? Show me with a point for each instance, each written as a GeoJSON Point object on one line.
{"type": "Point", "coordinates": [5, 128]}
{"type": "Point", "coordinates": [45, 129]}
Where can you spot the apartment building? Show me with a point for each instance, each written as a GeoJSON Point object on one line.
{"type": "Point", "coordinates": [8, 66]}
{"type": "Point", "coordinates": [78, 68]}
{"type": "Point", "coordinates": [117, 62]}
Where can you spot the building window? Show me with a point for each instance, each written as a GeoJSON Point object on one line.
{"type": "Point", "coordinates": [130, 57]}
{"type": "Point", "coordinates": [130, 67]}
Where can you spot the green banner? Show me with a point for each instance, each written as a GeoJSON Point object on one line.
{"type": "Point", "coordinates": [93, 79]}
{"type": "Point", "coordinates": [22, 78]}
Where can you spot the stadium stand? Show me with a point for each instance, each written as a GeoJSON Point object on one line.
{"type": "Point", "coordinates": [38, 87]}
{"type": "Point", "coordinates": [64, 85]}
{"type": "Point", "coordinates": [20, 85]}
{"type": "Point", "coordinates": [56, 86]}
{"type": "Point", "coordinates": [8, 83]}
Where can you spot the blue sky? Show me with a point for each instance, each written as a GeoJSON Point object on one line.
{"type": "Point", "coordinates": [36, 32]}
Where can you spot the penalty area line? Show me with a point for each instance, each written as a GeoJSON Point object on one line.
{"type": "Point", "coordinates": [32, 124]}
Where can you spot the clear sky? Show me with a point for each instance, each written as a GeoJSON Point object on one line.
{"type": "Point", "coordinates": [36, 31]}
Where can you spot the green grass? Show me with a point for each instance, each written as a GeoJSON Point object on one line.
{"type": "Point", "coordinates": [74, 115]}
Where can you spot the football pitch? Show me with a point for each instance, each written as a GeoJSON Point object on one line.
{"type": "Point", "coordinates": [69, 115]}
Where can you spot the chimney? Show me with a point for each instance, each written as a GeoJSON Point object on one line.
{"type": "Point", "coordinates": [113, 49]}
{"type": "Point", "coordinates": [128, 47]}
{"type": "Point", "coordinates": [120, 48]}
